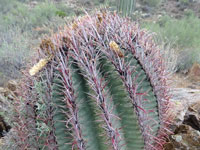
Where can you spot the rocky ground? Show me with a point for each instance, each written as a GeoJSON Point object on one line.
{"type": "Point", "coordinates": [186, 111]}
{"type": "Point", "coordinates": [174, 8]}
{"type": "Point", "coordinates": [177, 8]}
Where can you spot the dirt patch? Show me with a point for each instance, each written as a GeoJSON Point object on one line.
{"type": "Point", "coordinates": [178, 9]}
{"type": "Point", "coordinates": [179, 80]}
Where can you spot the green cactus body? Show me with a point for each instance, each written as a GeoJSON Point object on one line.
{"type": "Point", "coordinates": [126, 7]}
{"type": "Point", "coordinates": [104, 88]}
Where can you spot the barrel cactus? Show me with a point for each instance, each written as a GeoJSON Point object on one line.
{"type": "Point", "coordinates": [99, 84]}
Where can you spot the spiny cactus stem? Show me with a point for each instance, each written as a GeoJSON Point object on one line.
{"type": "Point", "coordinates": [51, 138]}
{"type": "Point", "coordinates": [125, 72]}
{"type": "Point", "coordinates": [24, 125]}
{"type": "Point", "coordinates": [157, 141]}
{"type": "Point", "coordinates": [156, 77]}
{"type": "Point", "coordinates": [150, 146]}
{"type": "Point", "coordinates": [70, 102]}
{"type": "Point", "coordinates": [98, 87]}
{"type": "Point", "coordinates": [21, 127]}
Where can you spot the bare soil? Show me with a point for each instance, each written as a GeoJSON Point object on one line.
{"type": "Point", "coordinates": [177, 9]}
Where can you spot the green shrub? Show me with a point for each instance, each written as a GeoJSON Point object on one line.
{"type": "Point", "coordinates": [19, 14]}
{"type": "Point", "coordinates": [65, 9]}
{"type": "Point", "coordinates": [17, 23]}
{"type": "Point", "coordinates": [7, 5]}
{"type": "Point", "coordinates": [14, 49]}
{"type": "Point", "coordinates": [41, 13]}
{"type": "Point", "coordinates": [184, 33]}
{"type": "Point", "coordinates": [185, 1]}
{"type": "Point", "coordinates": [12, 13]}
{"type": "Point", "coordinates": [61, 14]}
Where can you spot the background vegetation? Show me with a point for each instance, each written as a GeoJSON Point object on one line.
{"type": "Point", "coordinates": [184, 33]}
{"type": "Point", "coordinates": [21, 24]}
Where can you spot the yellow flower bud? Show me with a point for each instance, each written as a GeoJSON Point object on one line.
{"type": "Point", "coordinates": [114, 47]}
{"type": "Point", "coordinates": [74, 26]}
{"type": "Point", "coordinates": [36, 68]}
{"type": "Point", "coordinates": [99, 18]}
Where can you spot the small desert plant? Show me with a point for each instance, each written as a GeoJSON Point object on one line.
{"type": "Point", "coordinates": [99, 84]}
{"type": "Point", "coordinates": [183, 33]}
{"type": "Point", "coordinates": [14, 50]}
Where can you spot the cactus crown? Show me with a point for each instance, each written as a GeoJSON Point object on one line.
{"type": "Point", "coordinates": [103, 87]}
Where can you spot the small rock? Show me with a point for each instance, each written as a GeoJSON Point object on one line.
{"type": "Point", "coordinates": [177, 138]}
{"type": "Point", "coordinates": [185, 138]}
{"type": "Point", "coordinates": [192, 116]}
{"type": "Point", "coordinates": [12, 85]}
{"type": "Point", "coordinates": [194, 73]}
{"type": "Point", "coordinates": [145, 15]}
{"type": "Point", "coordinates": [34, 3]}
{"type": "Point", "coordinates": [4, 91]}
